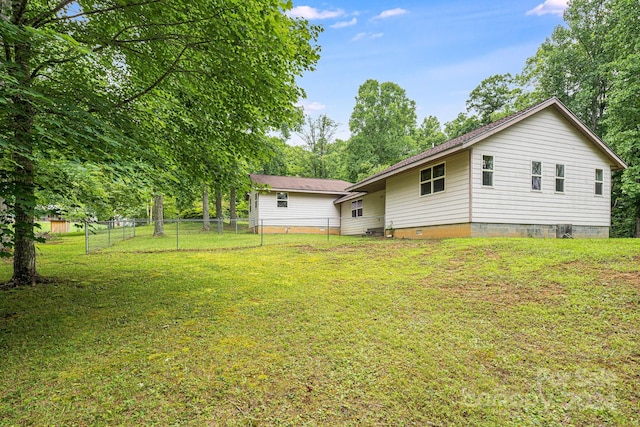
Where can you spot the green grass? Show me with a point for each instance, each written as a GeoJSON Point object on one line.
{"type": "Point", "coordinates": [350, 331]}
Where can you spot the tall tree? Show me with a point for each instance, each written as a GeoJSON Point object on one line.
{"type": "Point", "coordinates": [88, 79]}
{"type": "Point", "coordinates": [318, 135]}
{"type": "Point", "coordinates": [429, 134]}
{"type": "Point", "coordinates": [494, 97]}
{"type": "Point", "coordinates": [382, 124]}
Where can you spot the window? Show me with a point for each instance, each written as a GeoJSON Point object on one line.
{"type": "Point", "coordinates": [432, 179]}
{"type": "Point", "coordinates": [599, 181]}
{"type": "Point", "coordinates": [487, 171]}
{"type": "Point", "coordinates": [356, 208]}
{"type": "Point", "coordinates": [283, 200]}
{"type": "Point", "coordinates": [559, 178]}
{"type": "Point", "coordinates": [536, 176]}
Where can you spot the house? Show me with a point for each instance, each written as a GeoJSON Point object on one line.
{"type": "Point", "coordinates": [281, 204]}
{"type": "Point", "coordinates": [539, 172]}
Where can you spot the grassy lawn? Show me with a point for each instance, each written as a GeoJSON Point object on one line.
{"type": "Point", "coordinates": [521, 332]}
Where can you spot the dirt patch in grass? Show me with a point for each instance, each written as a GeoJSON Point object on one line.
{"type": "Point", "coordinates": [508, 294]}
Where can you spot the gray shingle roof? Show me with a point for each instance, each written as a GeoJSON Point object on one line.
{"type": "Point", "coordinates": [310, 185]}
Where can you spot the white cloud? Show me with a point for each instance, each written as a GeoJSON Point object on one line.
{"type": "Point", "coordinates": [308, 12]}
{"type": "Point", "coordinates": [391, 12]}
{"type": "Point", "coordinates": [366, 36]}
{"type": "Point", "coordinates": [343, 24]}
{"type": "Point", "coordinates": [555, 7]}
{"type": "Point", "coordinates": [310, 107]}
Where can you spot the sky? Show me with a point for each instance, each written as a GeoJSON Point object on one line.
{"type": "Point", "coordinates": [437, 51]}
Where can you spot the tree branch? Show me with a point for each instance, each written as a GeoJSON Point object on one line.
{"type": "Point", "coordinates": [95, 12]}
{"type": "Point", "coordinates": [40, 19]}
{"type": "Point", "coordinates": [153, 85]}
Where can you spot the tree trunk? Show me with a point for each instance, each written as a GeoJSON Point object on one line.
{"type": "Point", "coordinates": [206, 221]}
{"type": "Point", "coordinates": [232, 203]}
{"type": "Point", "coordinates": [219, 209]}
{"type": "Point", "coordinates": [21, 122]}
{"type": "Point", "coordinates": [24, 253]}
{"type": "Point", "coordinates": [158, 215]}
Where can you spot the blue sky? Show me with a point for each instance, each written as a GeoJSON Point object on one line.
{"type": "Point", "coordinates": [438, 51]}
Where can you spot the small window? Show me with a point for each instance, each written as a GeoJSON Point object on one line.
{"type": "Point", "coordinates": [432, 179]}
{"type": "Point", "coordinates": [536, 176]}
{"type": "Point", "coordinates": [559, 178]}
{"type": "Point", "coordinates": [599, 181]}
{"type": "Point", "coordinates": [356, 208]}
{"type": "Point", "coordinates": [283, 200]}
{"type": "Point", "coordinates": [487, 171]}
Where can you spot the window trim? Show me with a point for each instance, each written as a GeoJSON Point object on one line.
{"type": "Point", "coordinates": [491, 171]}
{"type": "Point", "coordinates": [357, 208]}
{"type": "Point", "coordinates": [601, 182]}
{"type": "Point", "coordinates": [539, 176]}
{"type": "Point", "coordinates": [433, 179]}
{"type": "Point", "coordinates": [285, 199]}
{"type": "Point", "coordinates": [560, 178]}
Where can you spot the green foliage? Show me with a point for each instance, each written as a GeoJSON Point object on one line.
{"type": "Point", "coordinates": [382, 124]}
{"type": "Point", "coordinates": [462, 124]}
{"type": "Point", "coordinates": [173, 85]}
{"type": "Point", "coordinates": [429, 134]}
{"type": "Point", "coordinates": [318, 136]}
{"type": "Point", "coordinates": [495, 97]}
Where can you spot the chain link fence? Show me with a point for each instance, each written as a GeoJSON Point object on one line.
{"type": "Point", "coordinates": [196, 234]}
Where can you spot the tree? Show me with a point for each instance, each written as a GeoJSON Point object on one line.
{"type": "Point", "coordinates": [572, 63]}
{"type": "Point", "coordinates": [462, 124]}
{"type": "Point", "coordinates": [495, 97]}
{"type": "Point", "coordinates": [429, 134]}
{"type": "Point", "coordinates": [318, 136]}
{"type": "Point", "coordinates": [382, 124]}
{"type": "Point", "coordinates": [93, 80]}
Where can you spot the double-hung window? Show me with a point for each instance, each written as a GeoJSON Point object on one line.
{"type": "Point", "coordinates": [432, 179]}
{"type": "Point", "coordinates": [599, 182]}
{"type": "Point", "coordinates": [283, 200]}
{"type": "Point", "coordinates": [487, 171]}
{"type": "Point", "coordinates": [536, 175]}
{"type": "Point", "coordinates": [356, 208]}
{"type": "Point", "coordinates": [559, 178]}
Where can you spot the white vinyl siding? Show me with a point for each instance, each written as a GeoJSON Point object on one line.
{"type": "Point", "coordinates": [303, 209]}
{"type": "Point", "coordinates": [406, 208]}
{"type": "Point", "coordinates": [372, 215]}
{"type": "Point", "coordinates": [546, 137]}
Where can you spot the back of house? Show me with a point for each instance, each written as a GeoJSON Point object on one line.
{"type": "Point", "coordinates": [539, 172]}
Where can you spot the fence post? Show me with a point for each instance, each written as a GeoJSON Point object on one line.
{"type": "Point", "coordinates": [108, 233]}
{"type": "Point", "coordinates": [236, 223]}
{"type": "Point", "coordinates": [86, 237]}
{"type": "Point", "coordinates": [124, 232]}
{"type": "Point", "coordinates": [261, 232]}
{"type": "Point", "coordinates": [177, 234]}
{"type": "Point", "coordinates": [328, 230]}
{"type": "Point", "coordinates": [134, 227]}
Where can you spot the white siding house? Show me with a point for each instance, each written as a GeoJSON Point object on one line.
{"type": "Point", "coordinates": [539, 172]}
{"type": "Point", "coordinates": [295, 205]}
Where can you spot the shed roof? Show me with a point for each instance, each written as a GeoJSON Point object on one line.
{"type": "Point", "coordinates": [376, 181]}
{"type": "Point", "coordinates": [301, 185]}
